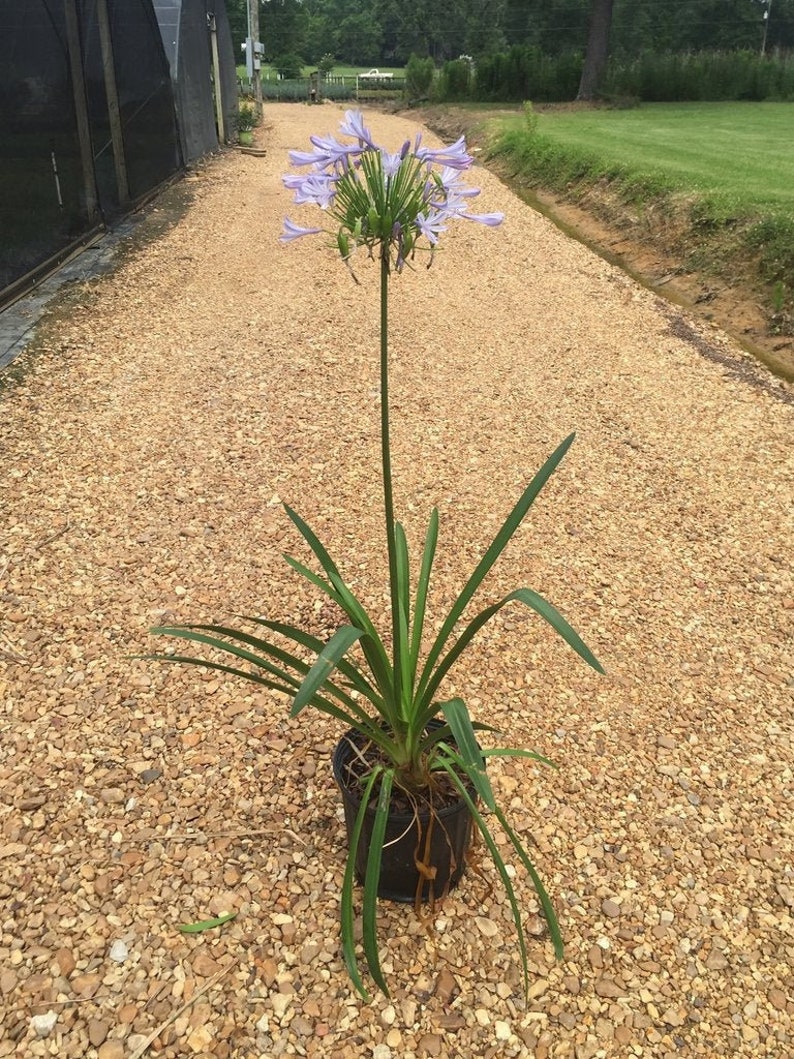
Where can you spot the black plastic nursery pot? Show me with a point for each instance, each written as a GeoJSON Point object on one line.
{"type": "Point", "coordinates": [406, 839]}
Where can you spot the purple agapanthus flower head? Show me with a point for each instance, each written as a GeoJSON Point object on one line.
{"type": "Point", "coordinates": [384, 201]}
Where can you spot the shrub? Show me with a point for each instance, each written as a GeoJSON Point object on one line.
{"type": "Point", "coordinates": [702, 76]}
{"type": "Point", "coordinates": [289, 66]}
{"type": "Point", "coordinates": [456, 80]}
{"type": "Point", "coordinates": [419, 74]}
{"type": "Point", "coordinates": [326, 64]}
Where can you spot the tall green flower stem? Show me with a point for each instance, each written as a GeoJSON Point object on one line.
{"type": "Point", "coordinates": [388, 492]}
{"type": "Point", "coordinates": [390, 205]}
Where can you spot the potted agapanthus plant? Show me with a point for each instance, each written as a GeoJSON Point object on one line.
{"type": "Point", "coordinates": [412, 773]}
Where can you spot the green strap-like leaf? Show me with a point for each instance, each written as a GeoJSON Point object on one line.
{"type": "Point", "coordinates": [346, 668]}
{"type": "Point", "coordinates": [314, 543]}
{"type": "Point", "coordinates": [511, 752]}
{"type": "Point", "coordinates": [320, 703]}
{"type": "Point", "coordinates": [545, 902]}
{"type": "Point", "coordinates": [286, 657]}
{"type": "Point", "coordinates": [457, 715]}
{"type": "Point", "coordinates": [372, 645]}
{"type": "Point", "coordinates": [233, 671]}
{"type": "Point", "coordinates": [369, 921]}
{"type": "Point", "coordinates": [206, 924]}
{"type": "Point", "coordinates": [191, 633]}
{"type": "Point", "coordinates": [403, 659]}
{"type": "Point", "coordinates": [336, 647]}
{"type": "Point", "coordinates": [422, 588]}
{"type": "Point", "coordinates": [444, 733]}
{"type": "Point", "coordinates": [346, 909]}
{"type": "Point", "coordinates": [501, 867]}
{"type": "Point", "coordinates": [402, 597]}
{"type": "Point", "coordinates": [511, 524]}
{"type": "Point", "coordinates": [425, 692]}
{"type": "Point", "coordinates": [315, 579]}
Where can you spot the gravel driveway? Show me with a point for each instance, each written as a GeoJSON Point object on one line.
{"type": "Point", "coordinates": [147, 444]}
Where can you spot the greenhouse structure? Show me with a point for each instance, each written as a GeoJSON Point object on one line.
{"type": "Point", "coordinates": [101, 103]}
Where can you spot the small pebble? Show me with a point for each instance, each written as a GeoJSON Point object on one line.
{"type": "Point", "coordinates": [486, 926]}
{"type": "Point", "coordinates": [119, 951]}
{"type": "Point", "coordinates": [43, 1025]}
{"type": "Point", "coordinates": [111, 1050]}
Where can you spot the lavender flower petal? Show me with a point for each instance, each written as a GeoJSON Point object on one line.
{"type": "Point", "coordinates": [454, 156]}
{"type": "Point", "coordinates": [391, 162]}
{"type": "Point", "coordinates": [450, 179]}
{"type": "Point", "coordinates": [315, 158]}
{"type": "Point", "coordinates": [431, 225]}
{"type": "Point", "coordinates": [354, 126]}
{"type": "Point", "coordinates": [332, 150]}
{"type": "Point", "coordinates": [491, 219]}
{"type": "Point", "coordinates": [294, 231]}
{"type": "Point", "coordinates": [317, 188]}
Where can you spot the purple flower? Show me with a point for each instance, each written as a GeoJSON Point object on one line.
{"type": "Point", "coordinates": [294, 231]}
{"type": "Point", "coordinates": [432, 224]}
{"type": "Point", "coordinates": [333, 150]}
{"type": "Point", "coordinates": [491, 219]}
{"type": "Point", "coordinates": [307, 158]}
{"type": "Point", "coordinates": [452, 183]}
{"type": "Point", "coordinates": [379, 199]}
{"type": "Point", "coordinates": [454, 156]}
{"type": "Point", "coordinates": [316, 188]}
{"type": "Point", "coordinates": [329, 152]}
{"type": "Point", "coordinates": [391, 162]}
{"type": "Point", "coordinates": [354, 126]}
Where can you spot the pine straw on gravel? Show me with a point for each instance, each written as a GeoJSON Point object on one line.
{"type": "Point", "coordinates": [147, 446]}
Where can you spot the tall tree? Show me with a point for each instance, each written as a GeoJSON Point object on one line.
{"type": "Point", "coordinates": [283, 25]}
{"type": "Point", "coordinates": [595, 59]}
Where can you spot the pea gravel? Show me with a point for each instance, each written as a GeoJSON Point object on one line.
{"type": "Point", "coordinates": [149, 436]}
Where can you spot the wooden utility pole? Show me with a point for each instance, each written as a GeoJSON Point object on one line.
{"type": "Point", "coordinates": [253, 40]}
{"type": "Point", "coordinates": [112, 95]}
{"type": "Point", "coordinates": [81, 110]}
{"type": "Point", "coordinates": [216, 78]}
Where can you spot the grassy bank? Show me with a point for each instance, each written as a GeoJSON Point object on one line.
{"type": "Point", "coordinates": [721, 174]}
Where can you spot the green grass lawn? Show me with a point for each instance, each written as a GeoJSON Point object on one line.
{"type": "Point", "coordinates": [724, 171]}
{"type": "Point", "coordinates": [743, 151]}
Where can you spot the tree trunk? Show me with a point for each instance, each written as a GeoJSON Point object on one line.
{"type": "Point", "coordinates": [597, 53]}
